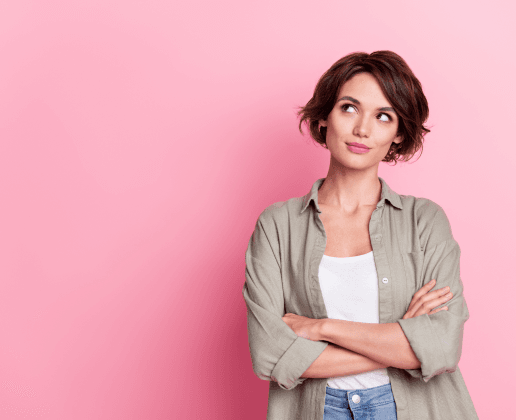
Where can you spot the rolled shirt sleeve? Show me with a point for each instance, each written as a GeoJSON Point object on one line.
{"type": "Point", "coordinates": [437, 339]}
{"type": "Point", "coordinates": [277, 353]}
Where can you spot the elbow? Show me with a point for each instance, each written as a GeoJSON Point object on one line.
{"type": "Point", "coordinates": [436, 342]}
{"type": "Point", "coordinates": [262, 369]}
{"type": "Point", "coordinates": [285, 360]}
{"type": "Point", "coordinates": [431, 370]}
{"type": "Point", "coordinates": [431, 365]}
{"type": "Point", "coordinates": [266, 372]}
{"type": "Point", "coordinates": [290, 384]}
{"type": "Point", "coordinates": [259, 368]}
{"type": "Point", "coordinates": [262, 376]}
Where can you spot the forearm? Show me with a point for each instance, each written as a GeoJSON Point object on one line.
{"type": "Point", "coordinates": [383, 343]}
{"type": "Point", "coordinates": [338, 361]}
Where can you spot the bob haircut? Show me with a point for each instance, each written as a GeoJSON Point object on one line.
{"type": "Point", "coordinates": [399, 85]}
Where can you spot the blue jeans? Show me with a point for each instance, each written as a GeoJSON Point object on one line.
{"type": "Point", "coordinates": [360, 404]}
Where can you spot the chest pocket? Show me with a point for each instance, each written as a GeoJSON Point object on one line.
{"type": "Point", "coordinates": [413, 262]}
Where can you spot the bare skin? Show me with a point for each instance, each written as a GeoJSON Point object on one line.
{"type": "Point", "coordinates": [347, 200]}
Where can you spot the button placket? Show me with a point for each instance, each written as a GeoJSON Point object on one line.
{"type": "Point", "coordinates": [378, 241]}
{"type": "Point", "coordinates": [315, 297]}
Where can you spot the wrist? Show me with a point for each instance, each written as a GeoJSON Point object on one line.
{"type": "Point", "coordinates": [323, 329]}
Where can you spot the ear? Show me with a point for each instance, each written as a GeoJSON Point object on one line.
{"type": "Point", "coordinates": [398, 139]}
{"type": "Point", "coordinates": [323, 123]}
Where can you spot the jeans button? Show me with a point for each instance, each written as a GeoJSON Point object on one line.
{"type": "Point", "coordinates": [356, 398]}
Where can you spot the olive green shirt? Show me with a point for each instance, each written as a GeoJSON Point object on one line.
{"type": "Point", "coordinates": [412, 243]}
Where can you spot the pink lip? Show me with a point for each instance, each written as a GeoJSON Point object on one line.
{"type": "Point", "coordinates": [358, 147]}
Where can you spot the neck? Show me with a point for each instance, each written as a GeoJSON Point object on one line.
{"type": "Point", "coordinates": [350, 189]}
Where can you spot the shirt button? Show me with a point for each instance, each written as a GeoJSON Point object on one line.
{"type": "Point", "coordinates": [385, 280]}
{"type": "Point", "coordinates": [356, 398]}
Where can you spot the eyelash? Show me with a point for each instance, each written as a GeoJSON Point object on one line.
{"type": "Point", "coordinates": [343, 107]}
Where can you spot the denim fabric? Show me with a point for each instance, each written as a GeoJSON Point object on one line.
{"type": "Point", "coordinates": [372, 404]}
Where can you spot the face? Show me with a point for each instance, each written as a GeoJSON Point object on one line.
{"type": "Point", "coordinates": [362, 114]}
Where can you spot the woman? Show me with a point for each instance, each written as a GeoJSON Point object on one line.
{"type": "Point", "coordinates": [354, 296]}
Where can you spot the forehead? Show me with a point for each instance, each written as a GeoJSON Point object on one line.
{"type": "Point", "coordinates": [365, 88]}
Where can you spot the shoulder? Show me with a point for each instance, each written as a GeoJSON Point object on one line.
{"type": "Point", "coordinates": [272, 227]}
{"type": "Point", "coordinates": [430, 219]}
{"type": "Point", "coordinates": [281, 212]}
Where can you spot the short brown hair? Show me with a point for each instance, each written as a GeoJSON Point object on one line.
{"type": "Point", "coordinates": [399, 85]}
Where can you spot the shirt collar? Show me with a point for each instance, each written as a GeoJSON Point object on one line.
{"type": "Point", "coordinates": [387, 194]}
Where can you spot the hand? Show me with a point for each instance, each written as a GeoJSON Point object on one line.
{"type": "Point", "coordinates": [303, 326]}
{"type": "Point", "coordinates": [424, 301]}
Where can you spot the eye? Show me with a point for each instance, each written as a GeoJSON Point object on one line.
{"type": "Point", "coordinates": [345, 106]}
{"type": "Point", "coordinates": [386, 115]}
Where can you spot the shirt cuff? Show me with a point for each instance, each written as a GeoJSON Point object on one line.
{"type": "Point", "coordinates": [426, 346]}
{"type": "Point", "coordinates": [295, 361]}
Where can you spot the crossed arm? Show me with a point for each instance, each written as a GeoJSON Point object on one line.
{"type": "Point", "coordinates": [357, 347]}
{"type": "Point", "coordinates": [337, 361]}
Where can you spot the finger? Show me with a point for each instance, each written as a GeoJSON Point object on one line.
{"type": "Point", "coordinates": [422, 292]}
{"type": "Point", "coordinates": [428, 305]}
{"type": "Point", "coordinates": [425, 289]}
{"type": "Point", "coordinates": [444, 308]}
{"type": "Point", "coordinates": [432, 302]}
{"type": "Point", "coordinates": [435, 295]}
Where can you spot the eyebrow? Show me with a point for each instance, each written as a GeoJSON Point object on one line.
{"type": "Point", "coordinates": [356, 101]}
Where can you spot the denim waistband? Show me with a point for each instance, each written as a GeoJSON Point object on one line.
{"type": "Point", "coordinates": [370, 396]}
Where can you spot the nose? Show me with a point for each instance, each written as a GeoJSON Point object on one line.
{"type": "Point", "coordinates": [362, 127]}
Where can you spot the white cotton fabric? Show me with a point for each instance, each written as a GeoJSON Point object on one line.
{"type": "Point", "coordinates": [350, 291]}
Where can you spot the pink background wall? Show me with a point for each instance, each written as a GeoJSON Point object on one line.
{"type": "Point", "coordinates": [140, 140]}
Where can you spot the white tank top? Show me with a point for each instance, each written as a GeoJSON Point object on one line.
{"type": "Point", "coordinates": [350, 291]}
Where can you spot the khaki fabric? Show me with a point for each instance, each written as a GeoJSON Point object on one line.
{"type": "Point", "coordinates": [412, 243]}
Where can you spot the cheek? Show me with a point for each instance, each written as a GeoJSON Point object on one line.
{"type": "Point", "coordinates": [385, 135]}
{"type": "Point", "coordinates": [340, 126]}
